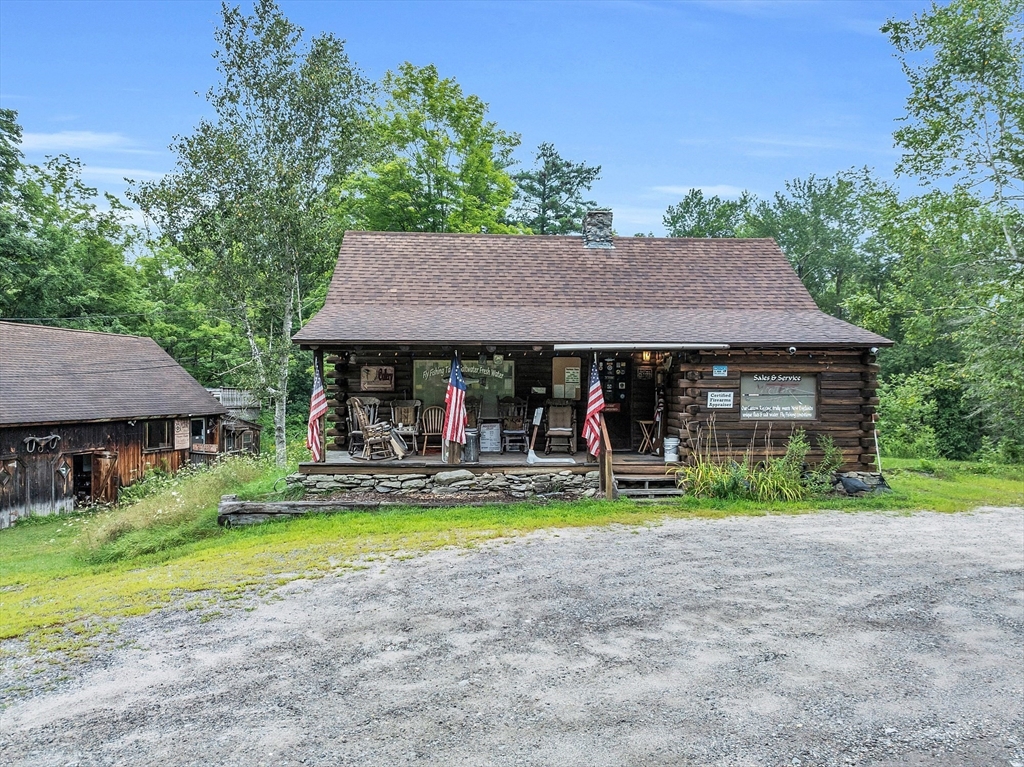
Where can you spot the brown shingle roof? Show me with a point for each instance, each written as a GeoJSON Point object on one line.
{"type": "Point", "coordinates": [413, 287]}
{"type": "Point", "coordinates": [53, 375]}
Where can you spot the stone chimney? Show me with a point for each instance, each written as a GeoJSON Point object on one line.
{"type": "Point", "coordinates": [597, 228]}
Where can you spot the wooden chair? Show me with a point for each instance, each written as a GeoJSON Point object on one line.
{"type": "Point", "coordinates": [514, 428]}
{"type": "Point", "coordinates": [560, 427]}
{"type": "Point", "coordinates": [376, 436]}
{"type": "Point", "coordinates": [355, 435]}
{"type": "Point", "coordinates": [407, 413]}
{"type": "Point", "coordinates": [432, 425]}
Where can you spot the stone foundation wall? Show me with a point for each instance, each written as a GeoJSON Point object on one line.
{"type": "Point", "coordinates": [515, 485]}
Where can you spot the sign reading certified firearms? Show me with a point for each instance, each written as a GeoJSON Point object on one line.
{"type": "Point", "coordinates": [778, 396]}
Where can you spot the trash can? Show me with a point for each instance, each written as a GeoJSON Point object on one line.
{"type": "Point", "coordinates": [471, 453]}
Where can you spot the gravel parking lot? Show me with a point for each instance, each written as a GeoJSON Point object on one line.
{"type": "Point", "coordinates": [821, 639]}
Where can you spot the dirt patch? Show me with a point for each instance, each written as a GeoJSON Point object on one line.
{"type": "Point", "coordinates": [821, 639]}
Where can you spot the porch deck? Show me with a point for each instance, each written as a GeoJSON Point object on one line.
{"type": "Point", "coordinates": [340, 462]}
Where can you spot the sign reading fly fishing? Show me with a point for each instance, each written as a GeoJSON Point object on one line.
{"type": "Point", "coordinates": [778, 397]}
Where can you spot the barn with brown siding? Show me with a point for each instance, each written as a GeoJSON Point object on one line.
{"type": "Point", "coordinates": [693, 337]}
{"type": "Point", "coordinates": [83, 414]}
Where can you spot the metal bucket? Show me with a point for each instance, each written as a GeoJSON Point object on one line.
{"type": "Point", "coordinates": [471, 452]}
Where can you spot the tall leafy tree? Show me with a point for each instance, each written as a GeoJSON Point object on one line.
{"type": "Point", "coordinates": [440, 164]}
{"type": "Point", "coordinates": [549, 198]}
{"type": "Point", "coordinates": [62, 258]}
{"type": "Point", "coordinates": [247, 205]}
{"type": "Point", "coordinates": [699, 216]}
{"type": "Point", "coordinates": [964, 62]}
{"type": "Point", "coordinates": [825, 229]}
{"type": "Point", "coordinates": [964, 119]}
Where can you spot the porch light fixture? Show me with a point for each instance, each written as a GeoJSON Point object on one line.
{"type": "Point", "coordinates": [645, 356]}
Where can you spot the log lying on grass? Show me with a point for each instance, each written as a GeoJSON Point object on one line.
{"type": "Point", "coordinates": [232, 512]}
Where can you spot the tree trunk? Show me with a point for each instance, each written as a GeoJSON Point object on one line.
{"type": "Point", "coordinates": [281, 357]}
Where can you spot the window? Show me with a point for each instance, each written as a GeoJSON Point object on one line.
{"type": "Point", "coordinates": [779, 396]}
{"type": "Point", "coordinates": [158, 435]}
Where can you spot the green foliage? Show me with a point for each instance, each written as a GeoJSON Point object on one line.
{"type": "Point", "coordinates": [440, 165]}
{"type": "Point", "coordinates": [549, 198]}
{"type": "Point", "coordinates": [248, 205]}
{"type": "Point", "coordinates": [699, 216]}
{"type": "Point", "coordinates": [784, 478]}
{"type": "Point", "coordinates": [164, 512]}
{"type": "Point", "coordinates": [964, 62]}
{"type": "Point", "coordinates": [825, 226]}
{"type": "Point", "coordinates": [906, 412]}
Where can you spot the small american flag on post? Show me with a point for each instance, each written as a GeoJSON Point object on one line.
{"type": "Point", "coordinates": [317, 410]}
{"type": "Point", "coordinates": [454, 429]}
{"type": "Point", "coordinates": [595, 405]}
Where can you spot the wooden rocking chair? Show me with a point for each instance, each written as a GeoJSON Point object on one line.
{"type": "Point", "coordinates": [355, 435]}
{"type": "Point", "coordinates": [376, 436]}
{"type": "Point", "coordinates": [561, 425]}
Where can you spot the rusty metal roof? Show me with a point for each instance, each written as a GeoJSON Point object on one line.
{"type": "Point", "coordinates": [420, 288]}
{"type": "Point", "coordinates": [54, 375]}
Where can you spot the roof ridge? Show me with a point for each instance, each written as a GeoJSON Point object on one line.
{"type": "Point", "coordinates": [576, 237]}
{"type": "Point", "coordinates": [75, 330]}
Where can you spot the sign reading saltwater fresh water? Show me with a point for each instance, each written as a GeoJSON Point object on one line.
{"type": "Point", "coordinates": [778, 397]}
{"type": "Point", "coordinates": [490, 381]}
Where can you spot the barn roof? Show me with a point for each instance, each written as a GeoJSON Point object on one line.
{"type": "Point", "coordinates": [421, 288]}
{"type": "Point", "coordinates": [54, 375]}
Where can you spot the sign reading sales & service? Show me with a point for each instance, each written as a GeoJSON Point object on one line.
{"type": "Point", "coordinates": [778, 397]}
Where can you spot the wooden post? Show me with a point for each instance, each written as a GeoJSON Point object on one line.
{"type": "Point", "coordinates": [607, 474]}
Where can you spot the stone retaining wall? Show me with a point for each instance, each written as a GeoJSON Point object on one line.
{"type": "Point", "coordinates": [516, 485]}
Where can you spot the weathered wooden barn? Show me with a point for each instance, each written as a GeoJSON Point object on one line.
{"type": "Point", "coordinates": [83, 414]}
{"type": "Point", "coordinates": [692, 337]}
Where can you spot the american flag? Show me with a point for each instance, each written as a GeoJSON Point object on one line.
{"type": "Point", "coordinates": [455, 406]}
{"type": "Point", "coordinates": [595, 404]}
{"type": "Point", "coordinates": [317, 410]}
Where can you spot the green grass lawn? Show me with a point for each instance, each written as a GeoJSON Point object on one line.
{"type": "Point", "coordinates": [64, 579]}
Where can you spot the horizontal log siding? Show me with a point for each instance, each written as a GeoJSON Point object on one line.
{"type": "Point", "coordinates": [846, 404]}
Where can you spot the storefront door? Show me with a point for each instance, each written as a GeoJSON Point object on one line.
{"type": "Point", "coordinates": [616, 377]}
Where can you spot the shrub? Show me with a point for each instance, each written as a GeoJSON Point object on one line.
{"type": "Point", "coordinates": [775, 478]}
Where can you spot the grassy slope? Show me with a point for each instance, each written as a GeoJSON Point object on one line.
{"type": "Point", "coordinates": [66, 576]}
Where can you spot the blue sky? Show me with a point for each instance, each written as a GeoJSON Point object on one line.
{"type": "Point", "coordinates": [664, 96]}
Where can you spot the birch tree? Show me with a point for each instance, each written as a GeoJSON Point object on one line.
{"type": "Point", "coordinates": [247, 203]}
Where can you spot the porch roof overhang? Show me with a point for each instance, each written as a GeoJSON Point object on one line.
{"type": "Point", "coordinates": [590, 327]}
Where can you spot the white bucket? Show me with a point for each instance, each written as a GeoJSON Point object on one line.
{"type": "Point", "coordinates": [671, 449]}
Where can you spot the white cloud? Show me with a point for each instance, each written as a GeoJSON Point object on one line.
{"type": "Point", "coordinates": [99, 173]}
{"type": "Point", "coordinates": [75, 140]}
{"type": "Point", "coordinates": [789, 146]}
{"type": "Point", "coordinates": [627, 220]}
{"type": "Point", "coordinates": [720, 190]}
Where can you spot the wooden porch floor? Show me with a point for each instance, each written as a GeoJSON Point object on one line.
{"type": "Point", "coordinates": [340, 462]}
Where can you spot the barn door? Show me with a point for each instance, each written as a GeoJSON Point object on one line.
{"type": "Point", "coordinates": [104, 488]}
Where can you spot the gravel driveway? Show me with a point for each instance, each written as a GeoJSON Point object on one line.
{"type": "Point", "coordinates": [822, 639]}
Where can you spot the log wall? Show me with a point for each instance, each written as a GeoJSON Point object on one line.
{"type": "Point", "coordinates": [846, 404]}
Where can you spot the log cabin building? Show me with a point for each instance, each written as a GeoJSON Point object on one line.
{"type": "Point", "coordinates": [695, 336]}
{"type": "Point", "coordinates": [83, 414]}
